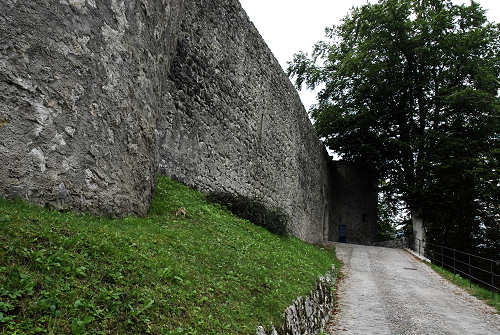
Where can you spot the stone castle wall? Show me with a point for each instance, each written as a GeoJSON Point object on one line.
{"type": "Point", "coordinates": [80, 95]}
{"type": "Point", "coordinates": [239, 124]}
{"type": "Point", "coordinates": [97, 96]}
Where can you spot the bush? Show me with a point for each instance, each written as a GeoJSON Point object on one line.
{"type": "Point", "coordinates": [253, 210]}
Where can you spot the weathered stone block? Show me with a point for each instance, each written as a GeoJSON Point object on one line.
{"type": "Point", "coordinates": [81, 89]}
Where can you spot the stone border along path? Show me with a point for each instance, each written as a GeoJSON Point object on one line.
{"type": "Point", "coordinates": [387, 291]}
{"type": "Point", "coordinates": [308, 315]}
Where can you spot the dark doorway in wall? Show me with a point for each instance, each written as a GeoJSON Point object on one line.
{"type": "Point", "coordinates": [342, 233]}
{"type": "Point", "coordinates": [354, 203]}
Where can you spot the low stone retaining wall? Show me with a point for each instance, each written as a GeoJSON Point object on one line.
{"type": "Point", "coordinates": [308, 316]}
{"type": "Point", "coordinates": [399, 243]}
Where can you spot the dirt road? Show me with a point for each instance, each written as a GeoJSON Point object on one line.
{"type": "Point", "coordinates": [388, 292]}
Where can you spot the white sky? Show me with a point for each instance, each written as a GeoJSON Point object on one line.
{"type": "Point", "coordinates": [290, 26]}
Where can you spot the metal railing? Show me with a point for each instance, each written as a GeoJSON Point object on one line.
{"type": "Point", "coordinates": [484, 271]}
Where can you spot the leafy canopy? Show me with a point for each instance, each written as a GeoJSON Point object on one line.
{"type": "Point", "coordinates": [410, 89]}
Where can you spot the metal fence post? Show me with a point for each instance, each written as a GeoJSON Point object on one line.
{"type": "Point", "coordinates": [442, 256]}
{"type": "Point", "coordinates": [454, 263]}
{"type": "Point", "coordinates": [470, 279]}
{"type": "Point", "coordinates": [492, 281]}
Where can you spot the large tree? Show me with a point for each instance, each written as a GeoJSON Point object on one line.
{"type": "Point", "coordinates": [410, 88]}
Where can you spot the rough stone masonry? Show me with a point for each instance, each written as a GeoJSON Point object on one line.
{"type": "Point", "coordinates": [239, 124]}
{"type": "Point", "coordinates": [81, 91]}
{"type": "Point", "coordinates": [97, 96]}
{"type": "Point", "coordinates": [308, 315]}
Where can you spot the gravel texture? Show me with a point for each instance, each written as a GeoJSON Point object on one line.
{"type": "Point", "coordinates": [388, 291]}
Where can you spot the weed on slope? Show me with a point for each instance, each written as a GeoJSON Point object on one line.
{"type": "Point", "coordinates": [205, 272]}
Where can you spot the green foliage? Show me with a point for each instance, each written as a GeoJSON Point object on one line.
{"type": "Point", "coordinates": [385, 231]}
{"type": "Point", "coordinates": [410, 88]}
{"type": "Point", "coordinates": [206, 273]}
{"type": "Point", "coordinates": [387, 211]}
{"type": "Point", "coordinates": [274, 220]}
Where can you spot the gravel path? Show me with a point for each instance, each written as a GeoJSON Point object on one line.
{"type": "Point", "coordinates": [387, 292]}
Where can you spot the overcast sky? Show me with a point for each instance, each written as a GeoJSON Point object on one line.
{"type": "Point", "coordinates": [289, 26]}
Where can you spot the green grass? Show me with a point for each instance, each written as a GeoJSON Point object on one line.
{"type": "Point", "coordinates": [207, 273]}
{"type": "Point", "coordinates": [474, 289]}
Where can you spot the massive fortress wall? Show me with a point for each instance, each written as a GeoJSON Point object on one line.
{"type": "Point", "coordinates": [81, 91]}
{"type": "Point", "coordinates": [89, 110]}
{"type": "Point", "coordinates": [239, 125]}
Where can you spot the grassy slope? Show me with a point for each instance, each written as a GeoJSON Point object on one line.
{"type": "Point", "coordinates": [492, 299]}
{"type": "Point", "coordinates": [207, 273]}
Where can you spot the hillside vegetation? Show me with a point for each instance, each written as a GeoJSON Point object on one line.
{"type": "Point", "coordinates": [209, 272]}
